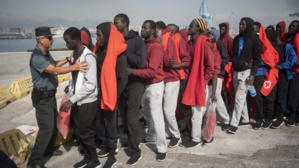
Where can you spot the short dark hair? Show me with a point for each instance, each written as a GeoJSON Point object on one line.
{"type": "Point", "coordinates": [257, 24]}
{"type": "Point", "coordinates": [73, 32]}
{"type": "Point", "coordinates": [222, 25]}
{"type": "Point", "coordinates": [177, 29]}
{"type": "Point", "coordinates": [271, 27]}
{"type": "Point", "coordinates": [152, 23]}
{"type": "Point", "coordinates": [124, 18]}
{"type": "Point", "coordinates": [161, 25]}
{"type": "Point", "coordinates": [296, 21]}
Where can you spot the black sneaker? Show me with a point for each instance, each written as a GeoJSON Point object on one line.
{"type": "Point", "coordinates": [111, 162]}
{"type": "Point", "coordinates": [174, 142]}
{"type": "Point", "coordinates": [191, 144]}
{"type": "Point", "coordinates": [82, 163]}
{"type": "Point", "coordinates": [277, 124]}
{"type": "Point", "coordinates": [124, 145]}
{"type": "Point", "coordinates": [297, 123]}
{"type": "Point", "coordinates": [143, 141]}
{"type": "Point", "coordinates": [208, 142]}
{"type": "Point", "coordinates": [168, 138]}
{"type": "Point", "coordinates": [232, 130]}
{"type": "Point", "coordinates": [103, 153]}
{"type": "Point", "coordinates": [161, 157]}
{"type": "Point", "coordinates": [266, 124]}
{"type": "Point", "coordinates": [244, 124]}
{"type": "Point", "coordinates": [134, 159]}
{"type": "Point", "coordinates": [290, 123]}
{"type": "Point", "coordinates": [93, 165]}
{"type": "Point", "coordinates": [258, 125]}
{"type": "Point", "coordinates": [225, 127]}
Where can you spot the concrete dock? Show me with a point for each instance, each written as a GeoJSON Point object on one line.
{"type": "Point", "coordinates": [247, 148]}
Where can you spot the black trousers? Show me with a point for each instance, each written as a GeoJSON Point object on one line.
{"type": "Point", "coordinates": [258, 99]}
{"type": "Point", "coordinates": [282, 95]}
{"type": "Point", "coordinates": [131, 103]}
{"type": "Point", "coordinates": [84, 117]}
{"type": "Point", "coordinates": [185, 109]}
{"type": "Point", "coordinates": [106, 127]}
{"type": "Point", "coordinates": [269, 104]}
{"type": "Point", "coordinates": [46, 115]}
{"type": "Point", "coordinates": [293, 96]}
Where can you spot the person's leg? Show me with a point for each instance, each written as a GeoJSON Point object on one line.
{"type": "Point", "coordinates": [220, 106]}
{"type": "Point", "coordinates": [293, 99]}
{"type": "Point", "coordinates": [84, 118]}
{"type": "Point", "coordinates": [186, 110]}
{"type": "Point", "coordinates": [99, 125]}
{"type": "Point", "coordinates": [269, 103]}
{"type": "Point", "coordinates": [240, 99]}
{"type": "Point", "coordinates": [258, 100]}
{"type": "Point", "coordinates": [281, 99]}
{"type": "Point", "coordinates": [51, 145]}
{"type": "Point", "coordinates": [155, 104]}
{"type": "Point", "coordinates": [134, 92]}
{"type": "Point", "coordinates": [197, 115]}
{"type": "Point", "coordinates": [110, 119]}
{"type": "Point", "coordinates": [170, 97]}
{"type": "Point", "coordinates": [45, 116]}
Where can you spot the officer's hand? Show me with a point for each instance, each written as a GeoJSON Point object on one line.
{"type": "Point", "coordinates": [80, 66]}
{"type": "Point", "coordinates": [65, 107]}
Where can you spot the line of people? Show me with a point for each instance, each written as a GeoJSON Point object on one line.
{"type": "Point", "coordinates": [172, 78]}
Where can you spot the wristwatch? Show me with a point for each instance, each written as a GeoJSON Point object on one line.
{"type": "Point", "coordinates": [67, 59]}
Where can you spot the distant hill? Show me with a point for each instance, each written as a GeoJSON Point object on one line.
{"type": "Point", "coordinates": [53, 22]}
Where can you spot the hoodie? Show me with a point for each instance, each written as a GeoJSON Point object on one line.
{"type": "Point", "coordinates": [154, 63]}
{"type": "Point", "coordinates": [251, 50]}
{"type": "Point", "coordinates": [168, 44]}
{"type": "Point", "coordinates": [227, 40]}
{"type": "Point", "coordinates": [86, 38]}
{"type": "Point", "coordinates": [283, 33]}
{"type": "Point", "coordinates": [135, 53]}
{"type": "Point", "coordinates": [222, 51]}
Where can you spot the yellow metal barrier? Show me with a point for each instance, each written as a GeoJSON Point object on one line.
{"type": "Point", "coordinates": [64, 77]}
{"type": "Point", "coordinates": [59, 139]}
{"type": "Point", "coordinates": [5, 96]}
{"type": "Point", "coordinates": [21, 87]}
{"type": "Point", "coordinates": [16, 145]}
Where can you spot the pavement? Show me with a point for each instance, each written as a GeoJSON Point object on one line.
{"type": "Point", "coordinates": [247, 148]}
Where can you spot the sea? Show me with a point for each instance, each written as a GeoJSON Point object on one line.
{"type": "Point", "coordinates": [22, 45]}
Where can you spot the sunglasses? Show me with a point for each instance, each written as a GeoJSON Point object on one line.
{"type": "Point", "coordinates": [49, 37]}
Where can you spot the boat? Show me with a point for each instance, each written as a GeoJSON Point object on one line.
{"type": "Point", "coordinates": [58, 31]}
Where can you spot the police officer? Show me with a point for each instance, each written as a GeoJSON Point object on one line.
{"type": "Point", "coordinates": [44, 71]}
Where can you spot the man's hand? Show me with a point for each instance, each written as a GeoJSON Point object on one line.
{"type": "Point", "coordinates": [171, 62]}
{"type": "Point", "coordinates": [250, 80]}
{"type": "Point", "coordinates": [213, 98]}
{"type": "Point", "coordinates": [66, 89]}
{"type": "Point", "coordinates": [297, 63]}
{"type": "Point", "coordinates": [130, 71]}
{"type": "Point", "coordinates": [65, 107]}
{"type": "Point", "coordinates": [81, 66]}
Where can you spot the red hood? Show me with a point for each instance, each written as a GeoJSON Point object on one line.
{"type": "Point", "coordinates": [84, 37]}
{"type": "Point", "coordinates": [227, 28]}
{"type": "Point", "coordinates": [154, 40]}
{"type": "Point", "coordinates": [165, 30]}
{"type": "Point", "coordinates": [282, 25]}
{"type": "Point", "coordinates": [184, 34]}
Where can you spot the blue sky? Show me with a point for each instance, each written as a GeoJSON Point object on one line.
{"type": "Point", "coordinates": [180, 12]}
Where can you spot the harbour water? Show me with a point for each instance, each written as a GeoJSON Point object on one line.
{"type": "Point", "coordinates": [22, 45]}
